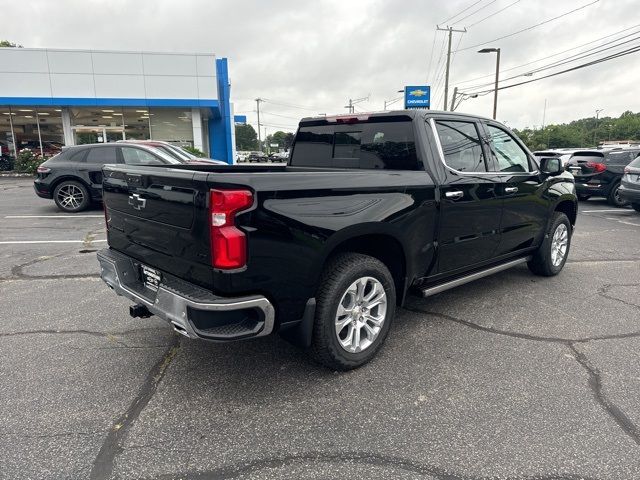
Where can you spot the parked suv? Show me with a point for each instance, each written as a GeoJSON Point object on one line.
{"type": "Point", "coordinates": [598, 173]}
{"type": "Point", "coordinates": [73, 178]}
{"type": "Point", "coordinates": [630, 185]}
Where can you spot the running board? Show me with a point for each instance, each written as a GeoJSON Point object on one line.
{"type": "Point", "coordinates": [427, 292]}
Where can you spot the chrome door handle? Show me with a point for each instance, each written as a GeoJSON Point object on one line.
{"type": "Point", "coordinates": [511, 189]}
{"type": "Point", "coordinates": [455, 194]}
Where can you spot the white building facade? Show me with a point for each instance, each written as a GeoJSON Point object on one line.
{"type": "Point", "coordinates": [52, 97]}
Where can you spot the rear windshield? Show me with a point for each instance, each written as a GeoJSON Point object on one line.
{"type": "Point", "coordinates": [371, 145]}
{"type": "Point", "coordinates": [587, 157]}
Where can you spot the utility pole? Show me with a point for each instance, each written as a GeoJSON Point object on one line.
{"type": "Point", "coordinates": [596, 127]}
{"type": "Point", "coordinates": [258, 100]}
{"type": "Point", "coordinates": [495, 89]}
{"type": "Point", "coordinates": [352, 102]}
{"type": "Point", "coordinates": [544, 112]}
{"type": "Point", "coordinates": [453, 99]}
{"type": "Point", "coordinates": [446, 76]}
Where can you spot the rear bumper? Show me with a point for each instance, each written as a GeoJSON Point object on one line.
{"type": "Point", "coordinates": [595, 189]}
{"type": "Point", "coordinates": [191, 310]}
{"type": "Point", "coordinates": [42, 189]}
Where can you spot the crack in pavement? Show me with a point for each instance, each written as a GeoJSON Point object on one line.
{"type": "Point", "coordinates": [17, 274]}
{"type": "Point", "coordinates": [602, 291]}
{"type": "Point", "coordinates": [373, 459]}
{"type": "Point", "coordinates": [523, 336]}
{"type": "Point", "coordinates": [104, 462]}
{"type": "Point", "coordinates": [595, 377]}
{"type": "Point", "coordinates": [595, 383]}
{"type": "Point", "coordinates": [109, 335]}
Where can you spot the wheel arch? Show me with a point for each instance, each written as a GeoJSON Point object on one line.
{"type": "Point", "coordinates": [68, 177]}
{"type": "Point", "coordinates": [569, 207]}
{"type": "Point", "coordinates": [376, 241]}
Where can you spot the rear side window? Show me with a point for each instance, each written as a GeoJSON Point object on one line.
{"type": "Point", "coordinates": [137, 156]}
{"type": "Point", "coordinates": [635, 163]}
{"type": "Point", "coordinates": [461, 146]}
{"type": "Point", "coordinates": [371, 145]}
{"type": "Point", "coordinates": [102, 155]}
{"type": "Point", "coordinates": [621, 157]}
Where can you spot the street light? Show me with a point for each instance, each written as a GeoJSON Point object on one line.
{"type": "Point", "coordinates": [495, 95]}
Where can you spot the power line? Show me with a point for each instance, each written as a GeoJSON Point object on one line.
{"type": "Point", "coordinates": [475, 11]}
{"type": "Point", "coordinates": [629, 51]}
{"type": "Point", "coordinates": [550, 56]}
{"type": "Point", "coordinates": [291, 105]}
{"type": "Point", "coordinates": [279, 115]}
{"type": "Point", "coordinates": [493, 14]}
{"type": "Point", "coordinates": [531, 27]}
{"type": "Point", "coordinates": [569, 59]}
{"type": "Point", "coordinates": [433, 47]}
{"type": "Point", "coordinates": [461, 12]}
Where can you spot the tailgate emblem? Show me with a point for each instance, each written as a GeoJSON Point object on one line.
{"type": "Point", "coordinates": [136, 202]}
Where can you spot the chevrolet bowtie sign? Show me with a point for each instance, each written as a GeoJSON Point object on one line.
{"type": "Point", "coordinates": [417, 96]}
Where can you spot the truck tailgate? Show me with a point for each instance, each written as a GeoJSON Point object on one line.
{"type": "Point", "coordinates": [158, 215]}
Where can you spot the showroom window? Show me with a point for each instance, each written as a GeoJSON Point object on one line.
{"type": "Point", "coordinates": [36, 128]}
{"type": "Point", "coordinates": [172, 125]}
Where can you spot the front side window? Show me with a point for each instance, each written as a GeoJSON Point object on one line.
{"type": "Point", "coordinates": [508, 155]}
{"type": "Point", "coordinates": [461, 146]}
{"type": "Point", "coordinates": [137, 156]}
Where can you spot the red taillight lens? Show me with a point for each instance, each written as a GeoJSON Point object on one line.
{"type": "Point", "coordinates": [228, 243]}
{"type": "Point", "coordinates": [627, 170]}
{"type": "Point", "coordinates": [42, 169]}
{"type": "Point", "coordinates": [598, 167]}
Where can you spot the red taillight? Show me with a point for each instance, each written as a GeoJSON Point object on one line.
{"type": "Point", "coordinates": [228, 243]}
{"type": "Point", "coordinates": [42, 169]}
{"type": "Point", "coordinates": [627, 170]}
{"type": "Point", "coordinates": [598, 167]}
{"type": "Point", "coordinates": [347, 119]}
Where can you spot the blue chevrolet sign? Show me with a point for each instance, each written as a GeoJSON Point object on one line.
{"type": "Point", "coordinates": [417, 96]}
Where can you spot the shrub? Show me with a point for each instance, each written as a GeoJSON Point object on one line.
{"type": "Point", "coordinates": [27, 161]}
{"type": "Point", "coordinates": [194, 151]}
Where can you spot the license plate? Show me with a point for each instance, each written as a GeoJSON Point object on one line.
{"type": "Point", "coordinates": [150, 277]}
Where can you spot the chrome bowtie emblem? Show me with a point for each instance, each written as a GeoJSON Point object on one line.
{"type": "Point", "coordinates": [136, 202]}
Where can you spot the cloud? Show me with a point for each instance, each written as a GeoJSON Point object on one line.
{"type": "Point", "coordinates": [319, 54]}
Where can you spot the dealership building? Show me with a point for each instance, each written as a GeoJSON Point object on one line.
{"type": "Point", "coordinates": [52, 97]}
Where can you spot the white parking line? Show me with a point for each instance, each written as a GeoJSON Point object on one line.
{"type": "Point", "coordinates": [21, 242]}
{"type": "Point", "coordinates": [622, 210]}
{"type": "Point", "coordinates": [54, 216]}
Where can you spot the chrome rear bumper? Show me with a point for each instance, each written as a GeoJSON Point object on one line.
{"type": "Point", "coordinates": [193, 311]}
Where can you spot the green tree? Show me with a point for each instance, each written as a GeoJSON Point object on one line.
{"type": "Point", "coordinates": [7, 43]}
{"type": "Point", "coordinates": [246, 137]}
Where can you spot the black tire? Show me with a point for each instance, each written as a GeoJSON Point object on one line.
{"type": "Point", "coordinates": [541, 263]}
{"type": "Point", "coordinates": [583, 197]}
{"type": "Point", "coordinates": [614, 197]}
{"type": "Point", "coordinates": [339, 274]}
{"type": "Point", "coordinates": [64, 190]}
{"type": "Point", "coordinates": [636, 206]}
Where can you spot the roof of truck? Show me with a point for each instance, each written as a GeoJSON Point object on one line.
{"type": "Point", "coordinates": [363, 116]}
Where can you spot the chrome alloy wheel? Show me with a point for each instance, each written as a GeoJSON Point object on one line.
{"type": "Point", "coordinates": [559, 244]}
{"type": "Point", "coordinates": [70, 196]}
{"type": "Point", "coordinates": [361, 314]}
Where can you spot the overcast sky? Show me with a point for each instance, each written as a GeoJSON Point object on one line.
{"type": "Point", "coordinates": [318, 54]}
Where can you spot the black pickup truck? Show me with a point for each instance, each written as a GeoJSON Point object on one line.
{"type": "Point", "coordinates": [323, 250]}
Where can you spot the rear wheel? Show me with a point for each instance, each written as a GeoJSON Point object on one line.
{"type": "Point", "coordinates": [71, 196]}
{"type": "Point", "coordinates": [355, 307]}
{"type": "Point", "coordinates": [636, 206]}
{"type": "Point", "coordinates": [551, 256]}
{"type": "Point", "coordinates": [614, 197]}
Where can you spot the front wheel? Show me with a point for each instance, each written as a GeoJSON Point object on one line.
{"type": "Point", "coordinates": [552, 254]}
{"type": "Point", "coordinates": [355, 307]}
{"type": "Point", "coordinates": [614, 197]}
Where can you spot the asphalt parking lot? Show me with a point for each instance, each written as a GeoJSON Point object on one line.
{"type": "Point", "coordinates": [513, 376]}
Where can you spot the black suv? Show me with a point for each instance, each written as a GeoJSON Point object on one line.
{"type": "Point", "coordinates": [598, 173]}
{"type": "Point", "coordinates": [73, 178]}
